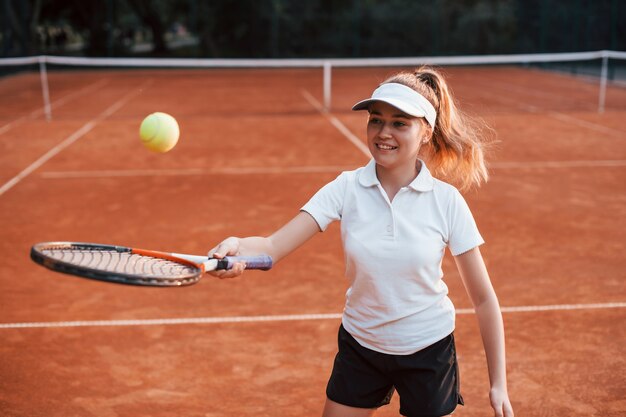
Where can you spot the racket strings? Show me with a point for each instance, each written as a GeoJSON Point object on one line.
{"type": "Point", "coordinates": [121, 262]}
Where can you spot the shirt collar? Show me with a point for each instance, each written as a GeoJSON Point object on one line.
{"type": "Point", "coordinates": [423, 182]}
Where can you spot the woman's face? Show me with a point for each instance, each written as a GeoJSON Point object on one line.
{"type": "Point", "coordinates": [394, 138]}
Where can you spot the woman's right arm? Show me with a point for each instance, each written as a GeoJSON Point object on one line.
{"type": "Point", "coordinates": [281, 243]}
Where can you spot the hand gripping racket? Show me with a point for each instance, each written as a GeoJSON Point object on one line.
{"type": "Point", "coordinates": [134, 266]}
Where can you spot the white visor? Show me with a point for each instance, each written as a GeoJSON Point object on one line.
{"type": "Point", "coordinates": [403, 98]}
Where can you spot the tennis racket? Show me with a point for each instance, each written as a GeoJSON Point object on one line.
{"type": "Point", "coordinates": [124, 265]}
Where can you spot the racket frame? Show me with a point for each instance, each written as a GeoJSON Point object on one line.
{"type": "Point", "coordinates": [38, 256]}
{"type": "Point", "coordinates": [198, 264]}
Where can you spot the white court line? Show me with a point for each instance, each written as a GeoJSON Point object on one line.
{"type": "Point", "coordinates": [193, 171]}
{"type": "Point", "coordinates": [338, 125]}
{"type": "Point", "coordinates": [301, 170]}
{"type": "Point", "coordinates": [558, 164]}
{"type": "Point", "coordinates": [36, 113]}
{"type": "Point", "coordinates": [278, 318]}
{"type": "Point", "coordinates": [72, 138]}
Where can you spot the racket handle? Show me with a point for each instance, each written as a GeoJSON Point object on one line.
{"type": "Point", "coordinates": [262, 262]}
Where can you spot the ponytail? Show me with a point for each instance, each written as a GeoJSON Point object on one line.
{"type": "Point", "coordinates": [455, 151]}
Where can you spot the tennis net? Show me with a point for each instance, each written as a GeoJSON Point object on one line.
{"type": "Point", "coordinates": [571, 81]}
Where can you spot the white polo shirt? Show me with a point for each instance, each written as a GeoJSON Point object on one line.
{"type": "Point", "coordinates": [397, 302]}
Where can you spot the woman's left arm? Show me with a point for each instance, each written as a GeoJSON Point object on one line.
{"type": "Point", "coordinates": [478, 286]}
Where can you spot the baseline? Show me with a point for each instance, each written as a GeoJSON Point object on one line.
{"type": "Point", "coordinates": [275, 318]}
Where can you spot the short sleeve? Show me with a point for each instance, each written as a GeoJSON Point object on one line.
{"type": "Point", "coordinates": [463, 232]}
{"type": "Point", "coordinates": [326, 205]}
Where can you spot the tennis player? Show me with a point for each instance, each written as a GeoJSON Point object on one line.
{"type": "Point", "coordinates": [397, 218]}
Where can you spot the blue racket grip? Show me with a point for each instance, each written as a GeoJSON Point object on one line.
{"type": "Point", "coordinates": [262, 262]}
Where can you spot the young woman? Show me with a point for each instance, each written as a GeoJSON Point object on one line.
{"type": "Point", "coordinates": [396, 221]}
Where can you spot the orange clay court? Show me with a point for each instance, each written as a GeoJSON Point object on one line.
{"type": "Point", "coordinates": [254, 147]}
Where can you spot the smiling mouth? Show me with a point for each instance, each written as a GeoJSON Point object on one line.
{"type": "Point", "coordinates": [385, 147]}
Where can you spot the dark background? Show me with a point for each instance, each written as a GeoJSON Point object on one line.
{"type": "Point", "coordinates": [308, 28]}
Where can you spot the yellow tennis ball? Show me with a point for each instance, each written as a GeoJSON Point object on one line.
{"type": "Point", "coordinates": [159, 132]}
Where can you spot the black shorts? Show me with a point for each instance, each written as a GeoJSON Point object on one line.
{"type": "Point", "coordinates": [427, 381]}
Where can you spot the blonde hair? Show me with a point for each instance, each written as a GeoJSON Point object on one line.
{"type": "Point", "coordinates": [455, 151]}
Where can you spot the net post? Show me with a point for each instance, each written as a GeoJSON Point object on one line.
{"type": "Point", "coordinates": [603, 80]}
{"type": "Point", "coordinates": [43, 74]}
{"type": "Point", "coordinates": [327, 85]}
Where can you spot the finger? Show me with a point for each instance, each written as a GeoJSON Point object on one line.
{"type": "Point", "coordinates": [235, 271]}
{"type": "Point", "coordinates": [221, 250]}
{"type": "Point", "coordinates": [217, 252]}
{"type": "Point", "coordinates": [508, 410]}
{"type": "Point", "coordinates": [497, 408]}
{"type": "Point", "coordinates": [224, 274]}
{"type": "Point", "coordinates": [227, 247]}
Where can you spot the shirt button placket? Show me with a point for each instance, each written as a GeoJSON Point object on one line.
{"type": "Point", "coordinates": [389, 228]}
